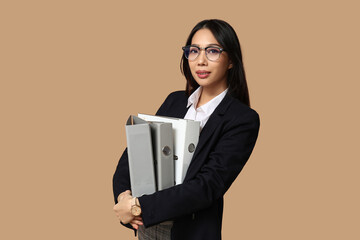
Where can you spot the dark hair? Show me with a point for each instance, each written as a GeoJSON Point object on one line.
{"type": "Point", "coordinates": [228, 39]}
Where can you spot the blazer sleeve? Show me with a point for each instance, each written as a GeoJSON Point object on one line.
{"type": "Point", "coordinates": [121, 180]}
{"type": "Point", "coordinates": [224, 163]}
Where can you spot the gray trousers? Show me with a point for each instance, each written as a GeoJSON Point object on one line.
{"type": "Point", "coordinates": [160, 231]}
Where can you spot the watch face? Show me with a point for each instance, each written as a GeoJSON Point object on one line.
{"type": "Point", "coordinates": [135, 210]}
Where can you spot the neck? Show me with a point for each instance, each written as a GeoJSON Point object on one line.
{"type": "Point", "coordinates": [209, 93]}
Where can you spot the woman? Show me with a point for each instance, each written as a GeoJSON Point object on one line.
{"type": "Point", "coordinates": [217, 96]}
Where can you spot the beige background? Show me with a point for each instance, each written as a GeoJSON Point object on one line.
{"type": "Point", "coordinates": [72, 71]}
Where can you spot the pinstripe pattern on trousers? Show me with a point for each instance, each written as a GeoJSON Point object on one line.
{"type": "Point", "coordinates": [160, 231]}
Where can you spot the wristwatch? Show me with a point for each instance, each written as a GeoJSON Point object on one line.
{"type": "Point", "coordinates": [135, 207]}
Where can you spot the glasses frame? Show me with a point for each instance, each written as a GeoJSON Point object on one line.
{"type": "Point", "coordinates": [205, 48]}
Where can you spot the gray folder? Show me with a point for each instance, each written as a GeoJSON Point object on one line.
{"type": "Point", "coordinates": [162, 140]}
{"type": "Point", "coordinates": [186, 137]}
{"type": "Point", "coordinates": [140, 155]}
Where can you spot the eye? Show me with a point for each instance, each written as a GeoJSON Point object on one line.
{"type": "Point", "coordinates": [193, 50]}
{"type": "Point", "coordinates": [213, 50]}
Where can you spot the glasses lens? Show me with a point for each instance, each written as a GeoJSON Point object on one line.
{"type": "Point", "coordinates": [213, 53]}
{"type": "Point", "coordinates": [191, 52]}
{"type": "Point", "coordinates": [186, 52]}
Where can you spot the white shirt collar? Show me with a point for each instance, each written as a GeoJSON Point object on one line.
{"type": "Point", "coordinates": [194, 97]}
{"type": "Point", "coordinates": [209, 106]}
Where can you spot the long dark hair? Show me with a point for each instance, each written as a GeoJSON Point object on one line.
{"type": "Point", "coordinates": [228, 39]}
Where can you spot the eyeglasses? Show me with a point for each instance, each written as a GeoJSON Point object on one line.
{"type": "Point", "coordinates": [212, 53]}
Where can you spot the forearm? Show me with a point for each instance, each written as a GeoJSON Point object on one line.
{"type": "Point", "coordinates": [172, 203]}
{"type": "Point", "coordinates": [184, 199]}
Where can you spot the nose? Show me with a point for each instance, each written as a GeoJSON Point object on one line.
{"type": "Point", "coordinates": [201, 59]}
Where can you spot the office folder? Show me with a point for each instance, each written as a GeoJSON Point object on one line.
{"type": "Point", "coordinates": [186, 137]}
{"type": "Point", "coordinates": [162, 140]}
{"type": "Point", "coordinates": [140, 155]}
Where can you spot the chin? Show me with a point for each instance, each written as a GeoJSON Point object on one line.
{"type": "Point", "coordinates": [203, 82]}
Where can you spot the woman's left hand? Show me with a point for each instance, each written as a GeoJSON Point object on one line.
{"type": "Point", "coordinates": [123, 207]}
{"type": "Point", "coordinates": [136, 222]}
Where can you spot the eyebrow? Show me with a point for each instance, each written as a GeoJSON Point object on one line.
{"type": "Point", "coordinates": [209, 45]}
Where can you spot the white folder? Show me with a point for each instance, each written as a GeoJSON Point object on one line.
{"type": "Point", "coordinates": [140, 155]}
{"type": "Point", "coordinates": [186, 138]}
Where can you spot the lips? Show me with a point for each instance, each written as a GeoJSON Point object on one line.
{"type": "Point", "coordinates": [202, 73]}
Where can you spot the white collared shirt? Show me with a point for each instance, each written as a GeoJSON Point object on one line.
{"type": "Point", "coordinates": [202, 113]}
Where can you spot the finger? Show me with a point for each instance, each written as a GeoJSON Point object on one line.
{"type": "Point", "coordinates": [134, 226]}
{"type": "Point", "coordinates": [138, 218]}
{"type": "Point", "coordinates": [121, 195]}
{"type": "Point", "coordinates": [137, 222]}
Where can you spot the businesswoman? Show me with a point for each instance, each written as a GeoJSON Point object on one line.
{"type": "Point", "coordinates": [216, 95]}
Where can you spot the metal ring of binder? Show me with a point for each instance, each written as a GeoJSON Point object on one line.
{"type": "Point", "coordinates": [191, 147]}
{"type": "Point", "coordinates": [166, 150]}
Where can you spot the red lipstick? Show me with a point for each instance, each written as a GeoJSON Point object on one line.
{"type": "Point", "coordinates": [202, 73]}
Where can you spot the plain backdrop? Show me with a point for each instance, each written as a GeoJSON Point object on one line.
{"type": "Point", "coordinates": [72, 72]}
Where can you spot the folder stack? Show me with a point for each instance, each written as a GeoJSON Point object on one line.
{"type": "Point", "coordinates": [160, 150]}
{"type": "Point", "coordinates": [186, 137]}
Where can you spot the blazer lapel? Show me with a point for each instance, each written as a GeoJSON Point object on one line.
{"type": "Point", "coordinates": [210, 126]}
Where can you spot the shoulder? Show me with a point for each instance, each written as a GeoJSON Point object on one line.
{"type": "Point", "coordinates": [240, 107]}
{"type": "Point", "coordinates": [240, 112]}
{"type": "Point", "coordinates": [177, 96]}
{"type": "Point", "coordinates": [174, 105]}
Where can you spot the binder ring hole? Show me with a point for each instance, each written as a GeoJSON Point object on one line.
{"type": "Point", "coordinates": [191, 147]}
{"type": "Point", "coordinates": [166, 150]}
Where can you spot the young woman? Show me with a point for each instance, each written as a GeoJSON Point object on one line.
{"type": "Point", "coordinates": [217, 96]}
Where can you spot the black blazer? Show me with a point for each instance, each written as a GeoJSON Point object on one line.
{"type": "Point", "coordinates": [196, 205]}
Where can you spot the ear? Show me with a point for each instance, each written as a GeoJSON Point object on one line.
{"type": "Point", "coordinates": [230, 65]}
